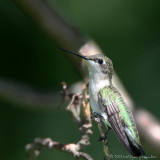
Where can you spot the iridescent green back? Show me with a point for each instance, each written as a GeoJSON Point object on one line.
{"type": "Point", "coordinates": [109, 94]}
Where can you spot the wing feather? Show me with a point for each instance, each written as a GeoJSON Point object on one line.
{"type": "Point", "coordinates": [107, 101]}
{"type": "Point", "coordinates": [112, 111]}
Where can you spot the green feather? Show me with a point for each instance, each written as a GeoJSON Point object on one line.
{"type": "Point", "coordinates": [109, 94]}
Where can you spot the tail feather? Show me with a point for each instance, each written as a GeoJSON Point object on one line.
{"type": "Point", "coordinates": [137, 150]}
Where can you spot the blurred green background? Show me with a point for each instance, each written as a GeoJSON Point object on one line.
{"type": "Point", "coordinates": [127, 31]}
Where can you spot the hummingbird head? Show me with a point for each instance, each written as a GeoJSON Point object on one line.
{"type": "Point", "coordinates": [98, 65]}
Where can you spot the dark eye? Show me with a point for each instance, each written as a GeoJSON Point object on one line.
{"type": "Point", "coordinates": [100, 61]}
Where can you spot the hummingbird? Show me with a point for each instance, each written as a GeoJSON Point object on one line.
{"type": "Point", "coordinates": [108, 105]}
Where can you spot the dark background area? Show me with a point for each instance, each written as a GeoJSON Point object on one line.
{"type": "Point", "coordinates": [127, 31]}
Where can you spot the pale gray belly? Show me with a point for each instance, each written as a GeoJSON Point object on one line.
{"type": "Point", "coordinates": [95, 106]}
{"type": "Point", "coordinates": [94, 103]}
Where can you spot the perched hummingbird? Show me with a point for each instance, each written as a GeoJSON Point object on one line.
{"type": "Point", "coordinates": [107, 103]}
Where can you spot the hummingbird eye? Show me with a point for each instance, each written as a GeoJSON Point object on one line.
{"type": "Point", "coordinates": [100, 61]}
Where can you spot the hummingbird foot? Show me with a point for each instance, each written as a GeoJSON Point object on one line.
{"type": "Point", "coordinates": [103, 138]}
{"type": "Point", "coordinates": [96, 117]}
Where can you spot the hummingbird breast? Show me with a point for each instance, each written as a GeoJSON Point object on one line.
{"type": "Point", "coordinates": [94, 86]}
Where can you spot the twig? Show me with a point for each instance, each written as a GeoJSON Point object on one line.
{"type": "Point", "coordinates": [80, 111]}
{"type": "Point", "coordinates": [104, 141]}
{"type": "Point", "coordinates": [39, 144]}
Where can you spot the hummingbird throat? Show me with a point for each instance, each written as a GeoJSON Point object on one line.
{"type": "Point", "coordinates": [98, 81]}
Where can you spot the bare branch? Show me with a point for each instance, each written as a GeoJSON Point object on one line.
{"type": "Point", "coordinates": [24, 95]}
{"type": "Point", "coordinates": [28, 97]}
{"type": "Point", "coordinates": [33, 150]}
{"type": "Point", "coordinates": [104, 141]}
{"type": "Point", "coordinates": [52, 23]}
{"type": "Point", "coordinates": [80, 111]}
{"type": "Point", "coordinates": [149, 128]}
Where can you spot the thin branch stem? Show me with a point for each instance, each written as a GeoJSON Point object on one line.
{"type": "Point", "coordinates": [104, 141]}
{"type": "Point", "coordinates": [33, 150]}
{"type": "Point", "coordinates": [79, 103]}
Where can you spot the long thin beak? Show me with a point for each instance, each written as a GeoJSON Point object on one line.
{"type": "Point", "coordinates": [78, 54]}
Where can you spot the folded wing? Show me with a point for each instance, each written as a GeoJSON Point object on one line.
{"type": "Point", "coordinates": [110, 107]}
